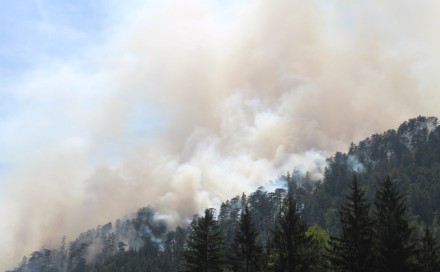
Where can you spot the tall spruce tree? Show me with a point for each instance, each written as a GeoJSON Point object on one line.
{"type": "Point", "coordinates": [428, 259]}
{"type": "Point", "coordinates": [247, 252]}
{"type": "Point", "coordinates": [393, 247]}
{"type": "Point", "coordinates": [352, 250]}
{"type": "Point", "coordinates": [290, 243]}
{"type": "Point", "coordinates": [204, 245]}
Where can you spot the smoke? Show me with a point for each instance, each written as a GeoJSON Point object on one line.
{"type": "Point", "coordinates": [154, 238]}
{"type": "Point", "coordinates": [184, 105]}
{"type": "Point", "coordinates": [355, 165]}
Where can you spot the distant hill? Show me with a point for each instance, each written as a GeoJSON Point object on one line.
{"type": "Point", "coordinates": [410, 155]}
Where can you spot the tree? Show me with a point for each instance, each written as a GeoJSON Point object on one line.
{"type": "Point", "coordinates": [393, 246]}
{"type": "Point", "coordinates": [319, 244]}
{"type": "Point", "coordinates": [352, 250]}
{"type": "Point", "coordinates": [204, 245]}
{"type": "Point", "coordinates": [173, 248]}
{"type": "Point", "coordinates": [36, 262]}
{"type": "Point", "coordinates": [428, 253]}
{"type": "Point", "coordinates": [290, 244]}
{"type": "Point", "coordinates": [62, 255]}
{"type": "Point", "coordinates": [247, 251]}
{"type": "Point", "coordinates": [121, 247]}
{"type": "Point", "coordinates": [109, 245]}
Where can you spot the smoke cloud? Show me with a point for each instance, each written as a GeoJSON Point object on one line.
{"type": "Point", "coordinates": [184, 105]}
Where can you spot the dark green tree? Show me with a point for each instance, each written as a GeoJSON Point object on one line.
{"type": "Point", "coordinates": [352, 249]}
{"type": "Point", "coordinates": [428, 253]}
{"type": "Point", "coordinates": [174, 246]}
{"type": "Point", "coordinates": [290, 246]}
{"type": "Point", "coordinates": [246, 250]}
{"type": "Point", "coordinates": [204, 245]}
{"type": "Point", "coordinates": [393, 248]}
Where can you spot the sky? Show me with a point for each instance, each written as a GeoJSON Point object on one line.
{"type": "Point", "coordinates": [108, 106]}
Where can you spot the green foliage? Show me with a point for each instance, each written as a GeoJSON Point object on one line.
{"type": "Point", "coordinates": [352, 249]}
{"type": "Point", "coordinates": [277, 220]}
{"type": "Point", "coordinates": [319, 243]}
{"type": "Point", "coordinates": [318, 235]}
{"type": "Point", "coordinates": [394, 248]}
{"type": "Point", "coordinates": [290, 245]}
{"type": "Point", "coordinates": [174, 247]}
{"type": "Point", "coordinates": [410, 155]}
{"type": "Point", "coordinates": [247, 252]}
{"type": "Point", "coordinates": [428, 259]}
{"type": "Point", "coordinates": [204, 245]}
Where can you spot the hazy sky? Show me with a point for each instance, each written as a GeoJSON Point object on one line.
{"type": "Point", "coordinates": [107, 106]}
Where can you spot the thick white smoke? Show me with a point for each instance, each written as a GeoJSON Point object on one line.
{"type": "Point", "coordinates": [187, 104]}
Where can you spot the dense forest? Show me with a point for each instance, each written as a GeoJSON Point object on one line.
{"type": "Point", "coordinates": [377, 208]}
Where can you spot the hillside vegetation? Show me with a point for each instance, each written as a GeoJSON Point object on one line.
{"type": "Point", "coordinates": [377, 208]}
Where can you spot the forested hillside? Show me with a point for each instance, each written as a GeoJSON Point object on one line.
{"type": "Point", "coordinates": [410, 155]}
{"type": "Point", "coordinates": [355, 219]}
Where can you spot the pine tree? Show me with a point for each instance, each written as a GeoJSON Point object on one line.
{"type": "Point", "coordinates": [204, 245]}
{"type": "Point", "coordinates": [173, 248]}
{"type": "Point", "coordinates": [121, 247]}
{"type": "Point", "coordinates": [109, 245]}
{"type": "Point", "coordinates": [428, 259]}
{"type": "Point", "coordinates": [62, 255]}
{"type": "Point", "coordinates": [246, 250]}
{"type": "Point", "coordinates": [290, 243]}
{"type": "Point", "coordinates": [393, 246]}
{"type": "Point", "coordinates": [352, 250]}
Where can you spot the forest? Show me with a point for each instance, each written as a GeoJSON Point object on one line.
{"type": "Point", "coordinates": [377, 208]}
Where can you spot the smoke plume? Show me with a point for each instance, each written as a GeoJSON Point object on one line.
{"type": "Point", "coordinates": [184, 105]}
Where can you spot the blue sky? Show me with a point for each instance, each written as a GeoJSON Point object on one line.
{"type": "Point", "coordinates": [44, 43]}
{"type": "Point", "coordinates": [39, 39]}
{"type": "Point", "coordinates": [35, 31]}
{"type": "Point", "coordinates": [34, 34]}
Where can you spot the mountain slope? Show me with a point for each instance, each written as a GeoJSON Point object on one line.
{"type": "Point", "coordinates": [410, 155]}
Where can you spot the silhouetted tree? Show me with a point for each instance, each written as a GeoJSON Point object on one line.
{"type": "Point", "coordinates": [246, 250]}
{"type": "Point", "coordinates": [290, 246]}
{"type": "Point", "coordinates": [393, 246]}
{"type": "Point", "coordinates": [352, 250]}
{"type": "Point", "coordinates": [428, 253]}
{"type": "Point", "coordinates": [204, 245]}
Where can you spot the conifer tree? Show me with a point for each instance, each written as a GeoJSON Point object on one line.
{"type": "Point", "coordinates": [428, 259]}
{"type": "Point", "coordinates": [246, 250]}
{"type": "Point", "coordinates": [204, 245]}
{"type": "Point", "coordinates": [290, 243]}
{"type": "Point", "coordinates": [393, 247]}
{"type": "Point", "coordinates": [352, 250]}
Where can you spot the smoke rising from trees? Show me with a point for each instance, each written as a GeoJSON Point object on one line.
{"type": "Point", "coordinates": [187, 104]}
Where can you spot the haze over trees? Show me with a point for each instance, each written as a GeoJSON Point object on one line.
{"type": "Point", "coordinates": [376, 209]}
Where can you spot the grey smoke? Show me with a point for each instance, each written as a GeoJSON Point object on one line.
{"type": "Point", "coordinates": [355, 165]}
{"type": "Point", "coordinates": [182, 108]}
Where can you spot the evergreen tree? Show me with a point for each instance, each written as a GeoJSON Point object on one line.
{"type": "Point", "coordinates": [62, 255]}
{"type": "Point", "coordinates": [290, 248]}
{"type": "Point", "coordinates": [352, 250]}
{"type": "Point", "coordinates": [121, 247]}
{"type": "Point", "coordinates": [204, 245]}
{"type": "Point", "coordinates": [246, 250]}
{"type": "Point", "coordinates": [174, 246]}
{"type": "Point", "coordinates": [393, 246]}
{"type": "Point", "coordinates": [109, 245]}
{"type": "Point", "coordinates": [428, 254]}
